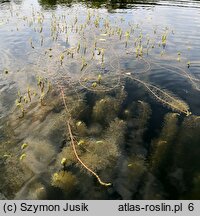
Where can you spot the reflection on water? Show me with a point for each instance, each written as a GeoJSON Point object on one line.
{"type": "Point", "coordinates": [116, 4]}
{"type": "Point", "coordinates": [99, 105]}
{"type": "Point", "coordinates": [112, 4]}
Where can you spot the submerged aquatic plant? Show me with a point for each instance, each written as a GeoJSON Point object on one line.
{"type": "Point", "coordinates": [24, 145]}
{"type": "Point", "coordinates": [84, 63]}
{"type": "Point", "coordinates": [73, 143]}
{"type": "Point", "coordinates": [164, 39]}
{"type": "Point", "coordinates": [97, 123]}
{"type": "Point", "coordinates": [179, 56]}
{"type": "Point", "coordinates": [164, 143]}
{"type": "Point", "coordinates": [64, 180]}
{"type": "Point", "coordinates": [31, 43]}
{"type": "Point", "coordinates": [107, 108]}
{"type": "Point", "coordinates": [188, 64]}
{"type": "Point", "coordinates": [15, 175]}
{"type": "Point", "coordinates": [99, 78]}
{"type": "Point", "coordinates": [81, 128]}
{"type": "Point", "coordinates": [165, 97]}
{"type": "Point", "coordinates": [23, 156]}
{"type": "Point", "coordinates": [115, 132]}
{"type": "Point", "coordinates": [134, 170]}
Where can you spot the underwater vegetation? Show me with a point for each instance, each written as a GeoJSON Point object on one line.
{"type": "Point", "coordinates": [162, 146]}
{"type": "Point", "coordinates": [108, 107]}
{"type": "Point", "coordinates": [15, 174]}
{"type": "Point", "coordinates": [64, 180]}
{"type": "Point", "coordinates": [89, 151]}
{"type": "Point", "coordinates": [186, 139]}
{"type": "Point", "coordinates": [138, 124]}
{"type": "Point", "coordinates": [89, 120]}
{"type": "Point", "coordinates": [134, 171]}
{"type": "Point", "coordinates": [165, 97]}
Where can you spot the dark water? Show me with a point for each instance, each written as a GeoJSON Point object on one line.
{"type": "Point", "coordinates": [122, 76]}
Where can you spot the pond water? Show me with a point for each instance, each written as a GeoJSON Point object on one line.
{"type": "Point", "coordinates": [99, 99]}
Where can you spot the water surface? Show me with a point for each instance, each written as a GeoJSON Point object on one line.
{"type": "Point", "coordinates": [124, 75]}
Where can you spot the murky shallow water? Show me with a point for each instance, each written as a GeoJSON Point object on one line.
{"type": "Point", "coordinates": [93, 94]}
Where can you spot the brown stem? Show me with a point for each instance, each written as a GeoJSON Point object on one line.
{"type": "Point", "coordinates": [74, 147]}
